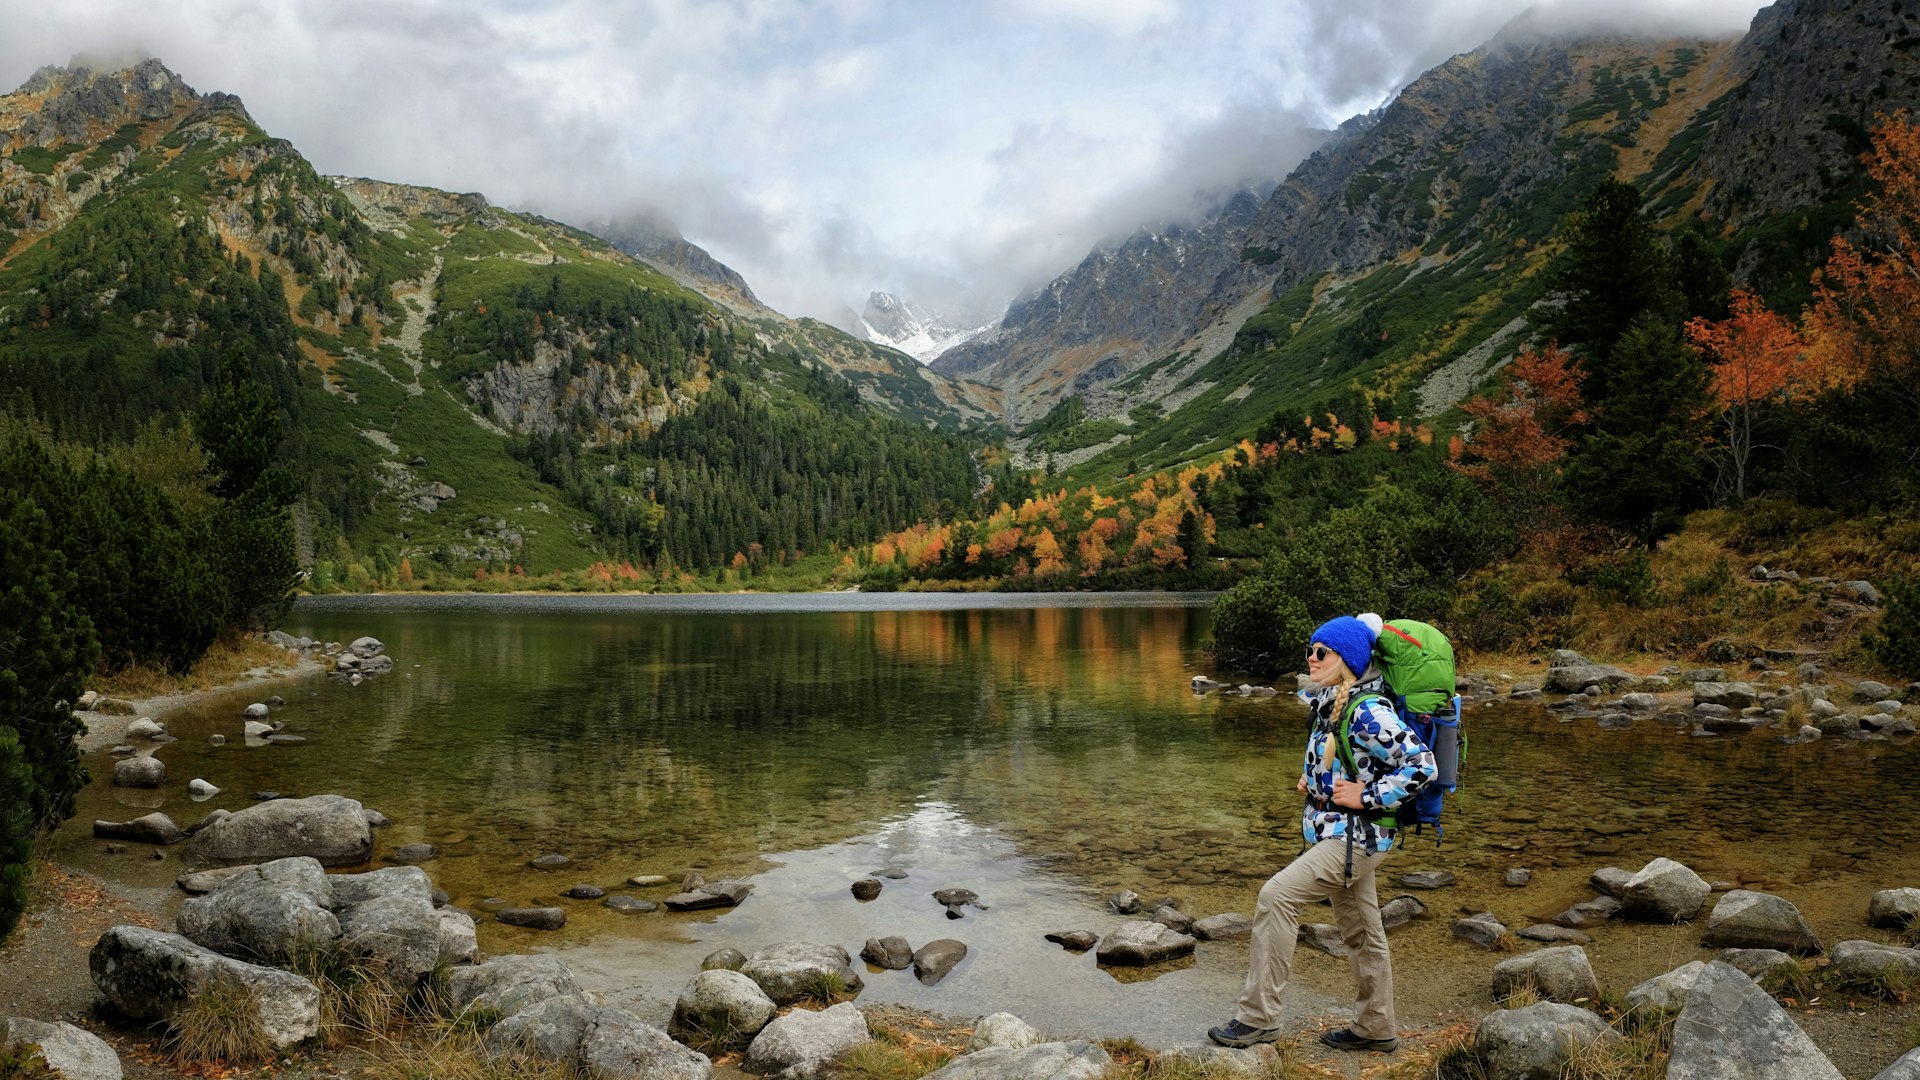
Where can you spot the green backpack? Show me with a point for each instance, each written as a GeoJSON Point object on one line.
{"type": "Point", "coordinates": [1417, 662]}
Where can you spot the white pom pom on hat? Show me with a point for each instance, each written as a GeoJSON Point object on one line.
{"type": "Point", "coordinates": [1373, 622]}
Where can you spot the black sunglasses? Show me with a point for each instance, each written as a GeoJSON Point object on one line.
{"type": "Point", "coordinates": [1319, 652]}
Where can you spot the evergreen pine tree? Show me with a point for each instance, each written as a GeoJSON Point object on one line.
{"type": "Point", "coordinates": [46, 648]}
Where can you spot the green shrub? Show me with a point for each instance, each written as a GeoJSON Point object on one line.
{"type": "Point", "coordinates": [47, 647]}
{"type": "Point", "coordinates": [1895, 643]}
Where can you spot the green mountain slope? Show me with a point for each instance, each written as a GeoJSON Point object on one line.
{"type": "Point", "coordinates": [448, 368]}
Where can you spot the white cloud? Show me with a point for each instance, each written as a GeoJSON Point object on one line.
{"type": "Point", "coordinates": [956, 152]}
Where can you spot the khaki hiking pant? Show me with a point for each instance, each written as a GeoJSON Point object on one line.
{"type": "Point", "coordinates": [1320, 873]}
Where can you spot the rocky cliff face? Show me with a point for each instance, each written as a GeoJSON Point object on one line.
{"type": "Point", "coordinates": [60, 106]}
{"type": "Point", "coordinates": [1122, 306]}
{"type": "Point", "coordinates": [651, 238]}
{"type": "Point", "coordinates": [1818, 71]}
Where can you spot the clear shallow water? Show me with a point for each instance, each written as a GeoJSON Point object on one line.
{"type": "Point", "coordinates": [1041, 756]}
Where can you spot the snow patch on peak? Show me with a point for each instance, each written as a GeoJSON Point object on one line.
{"type": "Point", "coordinates": [899, 323]}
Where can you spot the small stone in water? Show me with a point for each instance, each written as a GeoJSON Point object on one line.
{"type": "Point", "coordinates": [495, 903]}
{"type": "Point", "coordinates": [1518, 877]}
{"type": "Point", "coordinates": [1124, 903]}
{"type": "Point", "coordinates": [631, 905]}
{"type": "Point", "coordinates": [217, 740]}
{"type": "Point", "coordinates": [286, 740]}
{"type": "Point", "coordinates": [585, 892]}
{"type": "Point", "coordinates": [414, 854]}
{"type": "Point", "coordinates": [538, 918]}
{"type": "Point", "coordinates": [1427, 879]}
{"type": "Point", "coordinates": [1077, 940]}
{"type": "Point", "coordinates": [725, 959]}
{"type": "Point", "coordinates": [549, 862]}
{"type": "Point", "coordinates": [641, 881]}
{"type": "Point", "coordinates": [265, 796]}
{"type": "Point", "coordinates": [866, 889]}
{"type": "Point", "coordinates": [891, 873]}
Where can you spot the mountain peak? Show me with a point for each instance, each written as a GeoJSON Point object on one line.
{"type": "Point", "coordinates": [901, 324]}
{"type": "Point", "coordinates": [81, 103]}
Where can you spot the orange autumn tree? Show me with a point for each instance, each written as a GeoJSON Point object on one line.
{"type": "Point", "coordinates": [1865, 320]}
{"type": "Point", "coordinates": [1757, 356]}
{"type": "Point", "coordinates": [1525, 427]}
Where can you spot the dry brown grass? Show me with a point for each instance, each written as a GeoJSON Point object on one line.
{"type": "Point", "coordinates": [907, 1044]}
{"type": "Point", "coordinates": [1573, 588]}
{"type": "Point", "coordinates": [222, 1023]}
{"type": "Point", "coordinates": [227, 662]}
{"type": "Point", "coordinates": [456, 1054]}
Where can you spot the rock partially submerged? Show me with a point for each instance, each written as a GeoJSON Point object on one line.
{"type": "Point", "coordinates": [791, 970]}
{"type": "Point", "coordinates": [1664, 891]}
{"type": "Point", "coordinates": [328, 828]}
{"type": "Point", "coordinates": [1138, 944]}
{"type": "Point", "coordinates": [710, 894]}
{"type": "Point", "coordinates": [155, 828]}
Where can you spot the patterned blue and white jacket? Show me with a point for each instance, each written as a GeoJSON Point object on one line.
{"type": "Point", "coordinates": [1392, 762]}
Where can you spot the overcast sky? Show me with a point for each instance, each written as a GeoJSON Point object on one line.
{"type": "Point", "coordinates": [952, 152]}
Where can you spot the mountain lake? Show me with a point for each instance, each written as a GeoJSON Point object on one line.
{"type": "Point", "coordinates": [1043, 751]}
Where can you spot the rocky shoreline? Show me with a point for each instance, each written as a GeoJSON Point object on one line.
{"type": "Point", "coordinates": [261, 884]}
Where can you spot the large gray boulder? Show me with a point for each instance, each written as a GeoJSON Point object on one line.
{"type": "Point", "coordinates": [366, 648]}
{"type": "Point", "coordinates": [791, 970]}
{"type": "Point", "coordinates": [1002, 1029]}
{"type": "Point", "coordinates": [798, 1046]}
{"type": "Point", "coordinates": [547, 1030]}
{"type": "Point", "coordinates": [601, 1042]}
{"type": "Point", "coordinates": [1138, 943]}
{"type": "Point", "coordinates": [1730, 1029]}
{"type": "Point", "coordinates": [269, 914]}
{"type": "Point", "coordinates": [1042, 1061]}
{"type": "Point", "coordinates": [719, 1003]}
{"type": "Point", "coordinates": [67, 1051]}
{"type": "Point", "coordinates": [390, 881]}
{"type": "Point", "coordinates": [1536, 1042]}
{"type": "Point", "coordinates": [149, 975]}
{"type": "Point", "coordinates": [1755, 920]}
{"type": "Point", "coordinates": [399, 932]}
{"type": "Point", "coordinates": [1557, 974]}
{"type": "Point", "coordinates": [331, 829]}
{"type": "Point", "coordinates": [1906, 1067]}
{"type": "Point", "coordinates": [1667, 992]}
{"type": "Point", "coordinates": [509, 984]}
{"type": "Point", "coordinates": [1894, 909]}
{"type": "Point", "coordinates": [155, 828]}
{"type": "Point", "coordinates": [1664, 891]}
{"type": "Point", "coordinates": [1733, 695]}
{"type": "Point", "coordinates": [620, 1046]}
{"type": "Point", "coordinates": [1870, 959]}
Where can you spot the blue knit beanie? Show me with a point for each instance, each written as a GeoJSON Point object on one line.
{"type": "Point", "coordinates": [1349, 637]}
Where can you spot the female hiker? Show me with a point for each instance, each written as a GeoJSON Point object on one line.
{"type": "Point", "coordinates": [1349, 826]}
